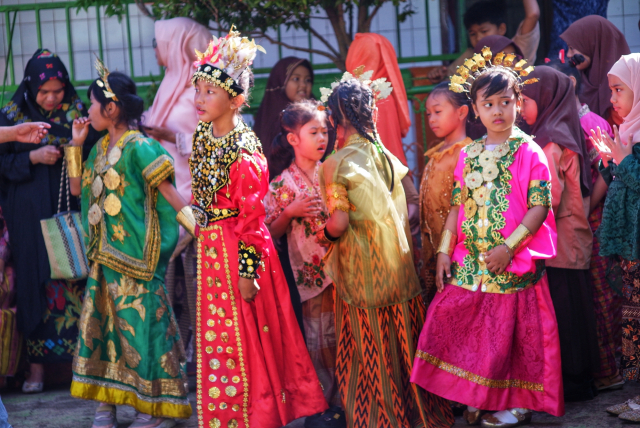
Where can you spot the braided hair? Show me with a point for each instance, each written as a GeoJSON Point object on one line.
{"type": "Point", "coordinates": [351, 102]}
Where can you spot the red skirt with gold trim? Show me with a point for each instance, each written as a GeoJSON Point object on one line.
{"type": "Point", "coordinates": [492, 351]}
{"type": "Point", "coordinates": [253, 367]}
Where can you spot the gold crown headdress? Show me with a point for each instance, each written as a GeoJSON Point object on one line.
{"type": "Point", "coordinates": [380, 87]}
{"type": "Point", "coordinates": [225, 59]}
{"type": "Point", "coordinates": [465, 74]}
{"type": "Point", "coordinates": [103, 81]}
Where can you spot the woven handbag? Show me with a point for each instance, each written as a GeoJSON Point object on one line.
{"type": "Point", "coordinates": [64, 238]}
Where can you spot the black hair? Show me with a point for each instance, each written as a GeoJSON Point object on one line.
{"type": "Point", "coordinates": [124, 88]}
{"type": "Point", "coordinates": [292, 118]}
{"type": "Point", "coordinates": [496, 80]}
{"type": "Point", "coordinates": [351, 102]}
{"type": "Point", "coordinates": [492, 11]}
{"type": "Point", "coordinates": [457, 99]}
{"type": "Point", "coordinates": [568, 68]}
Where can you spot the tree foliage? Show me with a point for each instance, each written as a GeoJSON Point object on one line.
{"type": "Point", "coordinates": [256, 17]}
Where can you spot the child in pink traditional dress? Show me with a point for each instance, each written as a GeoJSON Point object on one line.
{"type": "Point", "coordinates": [294, 207]}
{"type": "Point", "coordinates": [491, 338]}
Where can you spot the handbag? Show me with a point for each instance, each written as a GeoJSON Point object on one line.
{"type": "Point", "coordinates": [64, 239]}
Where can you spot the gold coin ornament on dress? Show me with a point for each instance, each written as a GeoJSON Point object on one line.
{"type": "Point", "coordinates": [97, 187]}
{"type": "Point", "coordinates": [231, 391]}
{"type": "Point", "coordinates": [214, 364]}
{"type": "Point", "coordinates": [95, 215]}
{"type": "Point", "coordinates": [101, 163]}
{"type": "Point", "coordinates": [114, 155]}
{"type": "Point", "coordinates": [231, 364]}
{"type": "Point", "coordinates": [473, 180]}
{"type": "Point", "coordinates": [111, 179]}
{"type": "Point", "coordinates": [214, 392]}
{"type": "Point", "coordinates": [215, 423]}
{"type": "Point", "coordinates": [112, 205]}
{"type": "Point", "coordinates": [233, 423]}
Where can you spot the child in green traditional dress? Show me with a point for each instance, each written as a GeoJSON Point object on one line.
{"type": "Point", "coordinates": [129, 350]}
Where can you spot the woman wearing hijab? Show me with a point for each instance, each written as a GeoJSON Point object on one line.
{"type": "Point", "coordinates": [376, 53]}
{"type": "Point", "coordinates": [601, 44]}
{"type": "Point", "coordinates": [549, 107]}
{"type": "Point", "coordinates": [171, 120]}
{"type": "Point", "coordinates": [290, 80]}
{"type": "Point", "coordinates": [47, 309]}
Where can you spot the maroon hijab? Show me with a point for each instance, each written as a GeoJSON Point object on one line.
{"type": "Point", "coordinates": [601, 41]}
{"type": "Point", "coordinates": [558, 121]}
{"type": "Point", "coordinates": [267, 122]}
{"type": "Point", "coordinates": [497, 44]}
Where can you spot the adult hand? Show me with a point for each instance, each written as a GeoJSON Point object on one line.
{"type": "Point", "coordinates": [30, 132]}
{"type": "Point", "coordinates": [303, 207]}
{"type": "Point", "coordinates": [437, 74]}
{"type": "Point", "coordinates": [158, 133]}
{"type": "Point", "coordinates": [443, 267]}
{"type": "Point", "coordinates": [248, 289]}
{"type": "Point", "coordinates": [47, 155]}
{"type": "Point", "coordinates": [498, 259]}
{"type": "Point", "coordinates": [80, 130]}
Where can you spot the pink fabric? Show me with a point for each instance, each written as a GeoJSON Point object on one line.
{"type": "Point", "coordinates": [530, 164]}
{"type": "Point", "coordinates": [512, 337]}
{"type": "Point", "coordinates": [627, 69]}
{"type": "Point", "coordinates": [173, 107]}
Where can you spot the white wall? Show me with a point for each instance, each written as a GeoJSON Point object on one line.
{"type": "Point", "coordinates": [625, 14]}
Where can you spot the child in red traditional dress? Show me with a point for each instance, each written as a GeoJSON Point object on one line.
{"type": "Point", "coordinates": [253, 368]}
{"type": "Point", "coordinates": [491, 338]}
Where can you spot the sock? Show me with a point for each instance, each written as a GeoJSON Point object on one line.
{"type": "Point", "coordinates": [506, 417]}
{"type": "Point", "coordinates": [472, 409]}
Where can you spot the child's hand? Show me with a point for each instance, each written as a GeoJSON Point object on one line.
{"type": "Point", "coordinates": [303, 207]}
{"type": "Point", "coordinates": [248, 289]}
{"type": "Point", "coordinates": [498, 259]}
{"type": "Point", "coordinates": [443, 267]}
{"type": "Point", "coordinates": [80, 130]}
{"type": "Point", "coordinates": [611, 149]}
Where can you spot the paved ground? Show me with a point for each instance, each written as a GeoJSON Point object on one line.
{"type": "Point", "coordinates": [55, 408]}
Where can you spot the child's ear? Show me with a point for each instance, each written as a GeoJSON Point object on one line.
{"type": "Point", "coordinates": [237, 102]}
{"type": "Point", "coordinates": [292, 138]}
{"type": "Point", "coordinates": [475, 110]}
{"type": "Point", "coordinates": [502, 29]}
{"type": "Point", "coordinates": [463, 111]}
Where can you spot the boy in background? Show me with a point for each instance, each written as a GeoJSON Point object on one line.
{"type": "Point", "coordinates": [488, 18]}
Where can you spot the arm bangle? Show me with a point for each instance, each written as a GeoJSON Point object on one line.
{"type": "Point", "coordinates": [73, 155]}
{"type": "Point", "coordinates": [519, 239]}
{"type": "Point", "coordinates": [447, 242]}
{"type": "Point", "coordinates": [186, 219]}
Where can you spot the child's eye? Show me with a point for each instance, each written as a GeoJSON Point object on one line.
{"type": "Point", "coordinates": [487, 105]}
{"type": "Point", "coordinates": [505, 103]}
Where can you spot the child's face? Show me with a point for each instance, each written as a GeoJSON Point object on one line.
{"type": "Point", "coordinates": [98, 119]}
{"type": "Point", "coordinates": [478, 31]}
{"type": "Point", "coordinates": [529, 110]}
{"type": "Point", "coordinates": [212, 102]}
{"type": "Point", "coordinates": [497, 112]}
{"type": "Point", "coordinates": [311, 140]}
{"type": "Point", "coordinates": [444, 118]}
{"type": "Point", "coordinates": [621, 95]}
{"type": "Point", "coordinates": [298, 86]}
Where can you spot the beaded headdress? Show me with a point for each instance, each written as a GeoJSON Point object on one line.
{"type": "Point", "coordinates": [380, 88]}
{"type": "Point", "coordinates": [465, 74]}
{"type": "Point", "coordinates": [103, 80]}
{"type": "Point", "coordinates": [224, 61]}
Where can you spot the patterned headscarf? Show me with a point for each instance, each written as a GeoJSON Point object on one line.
{"type": "Point", "coordinates": [43, 66]}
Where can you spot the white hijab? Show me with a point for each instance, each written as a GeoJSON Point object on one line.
{"type": "Point", "coordinates": [627, 69]}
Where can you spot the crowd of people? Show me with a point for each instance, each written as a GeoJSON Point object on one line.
{"type": "Point", "coordinates": [297, 267]}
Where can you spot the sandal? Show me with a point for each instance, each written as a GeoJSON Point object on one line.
{"type": "Point", "coordinates": [143, 420]}
{"type": "Point", "coordinates": [473, 418]}
{"type": "Point", "coordinates": [491, 421]}
{"type": "Point", "coordinates": [619, 409]}
{"type": "Point", "coordinates": [32, 388]}
{"type": "Point", "coordinates": [613, 382]}
{"type": "Point", "coordinates": [105, 417]}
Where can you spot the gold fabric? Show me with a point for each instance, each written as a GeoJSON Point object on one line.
{"type": "Point", "coordinates": [371, 264]}
{"type": "Point", "coordinates": [518, 239]}
{"type": "Point", "coordinates": [73, 155]}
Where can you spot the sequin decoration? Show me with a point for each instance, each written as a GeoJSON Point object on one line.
{"type": "Point", "coordinates": [233, 423]}
{"type": "Point", "coordinates": [211, 407]}
{"type": "Point", "coordinates": [231, 391]}
{"type": "Point", "coordinates": [215, 364]}
{"type": "Point", "coordinates": [235, 379]}
{"type": "Point", "coordinates": [214, 392]}
{"type": "Point", "coordinates": [215, 423]}
{"type": "Point", "coordinates": [235, 407]}
{"type": "Point", "coordinates": [209, 349]}
{"type": "Point", "coordinates": [231, 364]}
{"type": "Point", "coordinates": [224, 337]}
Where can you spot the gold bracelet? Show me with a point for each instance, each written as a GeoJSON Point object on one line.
{"type": "Point", "coordinates": [186, 219]}
{"type": "Point", "coordinates": [447, 242]}
{"type": "Point", "coordinates": [518, 239]}
{"type": "Point", "coordinates": [73, 155]}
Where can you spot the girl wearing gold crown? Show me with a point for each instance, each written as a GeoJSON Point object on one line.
{"type": "Point", "coordinates": [253, 367]}
{"type": "Point", "coordinates": [379, 309]}
{"type": "Point", "coordinates": [129, 351]}
{"type": "Point", "coordinates": [491, 337]}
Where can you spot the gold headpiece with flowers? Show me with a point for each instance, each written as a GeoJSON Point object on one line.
{"type": "Point", "coordinates": [465, 74]}
{"type": "Point", "coordinates": [103, 81]}
{"type": "Point", "coordinates": [224, 61]}
{"type": "Point", "coordinates": [380, 88]}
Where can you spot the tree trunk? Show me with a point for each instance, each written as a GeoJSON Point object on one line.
{"type": "Point", "coordinates": [336, 17]}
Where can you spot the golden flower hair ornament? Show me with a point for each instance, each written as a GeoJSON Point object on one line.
{"type": "Point", "coordinates": [224, 61]}
{"type": "Point", "coordinates": [465, 74]}
{"type": "Point", "coordinates": [380, 88]}
{"type": "Point", "coordinates": [103, 80]}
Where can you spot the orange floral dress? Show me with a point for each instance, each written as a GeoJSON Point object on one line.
{"type": "Point", "coordinates": [435, 202]}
